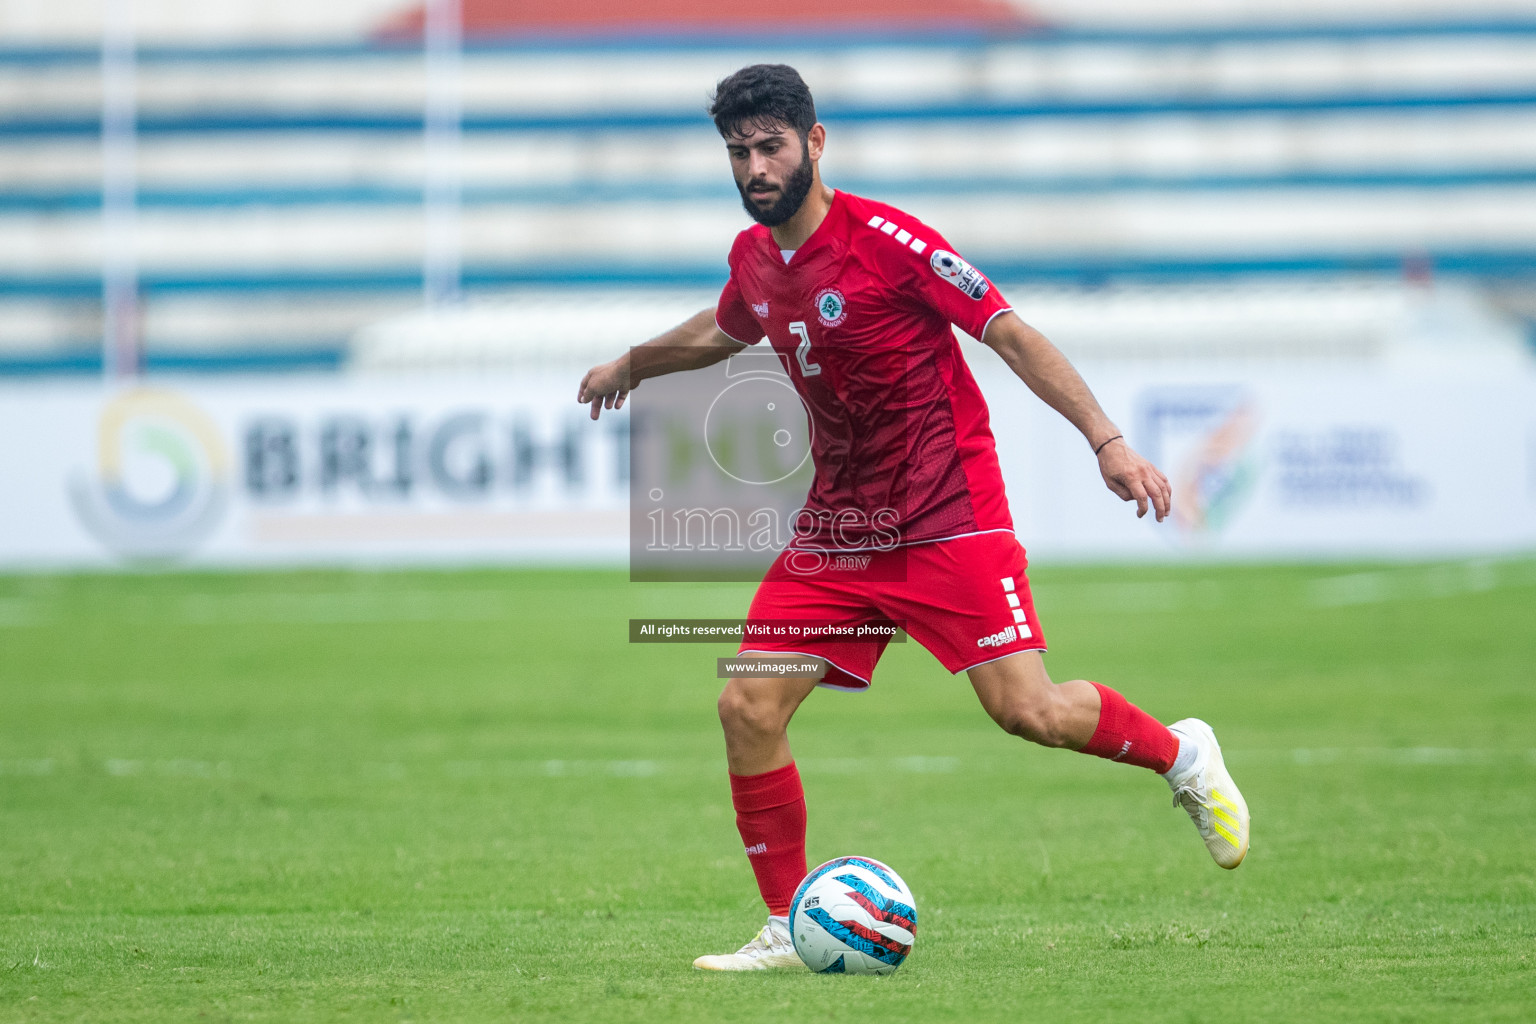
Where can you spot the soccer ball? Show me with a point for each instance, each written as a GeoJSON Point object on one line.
{"type": "Point", "coordinates": [853, 915]}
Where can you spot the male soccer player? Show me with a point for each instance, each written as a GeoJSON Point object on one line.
{"type": "Point", "coordinates": [858, 298]}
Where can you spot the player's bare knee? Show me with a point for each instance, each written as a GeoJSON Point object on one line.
{"type": "Point", "coordinates": [731, 705]}
{"type": "Point", "coordinates": [747, 713]}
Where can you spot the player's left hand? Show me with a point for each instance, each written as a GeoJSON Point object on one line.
{"type": "Point", "coordinates": [1135, 479]}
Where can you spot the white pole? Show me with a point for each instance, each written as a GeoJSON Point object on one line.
{"type": "Point", "coordinates": [442, 188]}
{"type": "Point", "coordinates": [119, 193]}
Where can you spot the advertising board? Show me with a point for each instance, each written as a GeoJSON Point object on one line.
{"type": "Point", "coordinates": [509, 470]}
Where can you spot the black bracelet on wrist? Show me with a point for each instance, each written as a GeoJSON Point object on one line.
{"type": "Point", "coordinates": [1105, 444]}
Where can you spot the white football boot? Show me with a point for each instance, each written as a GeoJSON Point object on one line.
{"type": "Point", "coordinates": [1207, 792]}
{"type": "Point", "coordinates": [771, 950]}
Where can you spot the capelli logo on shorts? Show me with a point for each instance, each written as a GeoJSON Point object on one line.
{"type": "Point", "coordinates": [998, 639]}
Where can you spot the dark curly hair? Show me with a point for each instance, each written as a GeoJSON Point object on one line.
{"type": "Point", "coordinates": [764, 96]}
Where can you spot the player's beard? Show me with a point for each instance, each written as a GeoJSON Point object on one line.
{"type": "Point", "coordinates": [796, 187]}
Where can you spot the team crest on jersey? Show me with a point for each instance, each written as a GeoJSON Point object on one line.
{"type": "Point", "coordinates": [831, 307]}
{"type": "Point", "coordinates": [959, 273]}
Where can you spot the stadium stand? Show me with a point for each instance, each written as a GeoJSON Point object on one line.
{"type": "Point", "coordinates": [280, 184]}
{"type": "Point", "coordinates": [1365, 323]}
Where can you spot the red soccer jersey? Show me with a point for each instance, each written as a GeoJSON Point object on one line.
{"type": "Point", "coordinates": [860, 317]}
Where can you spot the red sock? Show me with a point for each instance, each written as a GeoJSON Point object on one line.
{"type": "Point", "coordinates": [1127, 733]}
{"type": "Point", "coordinates": [770, 815]}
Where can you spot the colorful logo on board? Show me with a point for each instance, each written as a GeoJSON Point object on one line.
{"type": "Point", "coordinates": [1203, 438]}
{"type": "Point", "coordinates": [161, 480]}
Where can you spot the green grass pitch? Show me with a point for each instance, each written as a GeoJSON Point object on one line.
{"type": "Point", "coordinates": [337, 796]}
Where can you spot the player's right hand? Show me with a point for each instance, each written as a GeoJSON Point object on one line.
{"type": "Point", "coordinates": [605, 387]}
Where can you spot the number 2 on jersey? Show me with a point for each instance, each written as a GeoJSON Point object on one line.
{"type": "Point", "coordinates": [803, 351]}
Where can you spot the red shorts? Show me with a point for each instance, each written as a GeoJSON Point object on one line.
{"type": "Point", "coordinates": [966, 600]}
